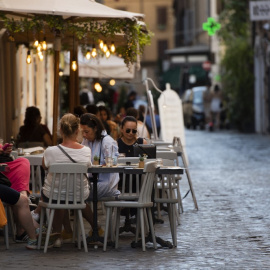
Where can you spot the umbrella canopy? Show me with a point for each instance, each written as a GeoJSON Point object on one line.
{"type": "Point", "coordinates": [67, 9]}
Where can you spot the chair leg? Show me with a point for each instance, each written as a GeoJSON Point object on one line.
{"type": "Point", "coordinates": [76, 228]}
{"type": "Point", "coordinates": [152, 227]}
{"type": "Point", "coordinates": [180, 204]}
{"type": "Point", "coordinates": [49, 230]}
{"type": "Point", "coordinates": [137, 226]}
{"type": "Point", "coordinates": [108, 216]}
{"type": "Point", "coordinates": [79, 213]}
{"type": "Point", "coordinates": [117, 226]}
{"type": "Point", "coordinates": [142, 228]}
{"type": "Point", "coordinates": [41, 220]}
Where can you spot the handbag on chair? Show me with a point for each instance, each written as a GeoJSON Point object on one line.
{"type": "Point", "coordinates": [3, 217]}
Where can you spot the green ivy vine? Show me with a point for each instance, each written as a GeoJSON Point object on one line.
{"type": "Point", "coordinates": [87, 32]}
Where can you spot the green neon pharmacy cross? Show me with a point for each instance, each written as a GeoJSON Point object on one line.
{"type": "Point", "coordinates": [211, 26]}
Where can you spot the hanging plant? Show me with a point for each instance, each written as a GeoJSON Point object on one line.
{"type": "Point", "coordinates": [136, 36]}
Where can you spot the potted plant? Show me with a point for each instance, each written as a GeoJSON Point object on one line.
{"type": "Point", "coordinates": [96, 160]}
{"type": "Point", "coordinates": [141, 160]}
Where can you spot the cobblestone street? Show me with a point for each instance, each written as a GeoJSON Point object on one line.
{"type": "Point", "coordinates": [231, 178]}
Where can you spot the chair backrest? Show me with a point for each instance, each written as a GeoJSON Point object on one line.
{"type": "Point", "coordinates": [148, 182]}
{"type": "Point", "coordinates": [35, 176]}
{"type": "Point", "coordinates": [67, 185]}
{"type": "Point", "coordinates": [167, 155]}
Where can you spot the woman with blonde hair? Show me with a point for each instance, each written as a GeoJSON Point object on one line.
{"type": "Point", "coordinates": [69, 128]}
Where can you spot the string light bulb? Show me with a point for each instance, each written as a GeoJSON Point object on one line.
{"type": "Point", "coordinates": [40, 55]}
{"type": "Point", "coordinates": [112, 82]}
{"type": "Point", "coordinates": [28, 58]}
{"type": "Point", "coordinates": [101, 44]}
{"type": "Point", "coordinates": [105, 47]}
{"type": "Point", "coordinates": [36, 43]}
{"type": "Point", "coordinates": [112, 47]}
{"type": "Point", "coordinates": [39, 47]}
{"type": "Point", "coordinates": [107, 53]}
{"type": "Point", "coordinates": [88, 55]}
{"type": "Point", "coordinates": [98, 87]}
{"type": "Point", "coordinates": [94, 51]}
{"type": "Point", "coordinates": [44, 44]}
{"type": "Point", "coordinates": [74, 65]}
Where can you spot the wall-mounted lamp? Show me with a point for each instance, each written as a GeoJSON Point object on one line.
{"type": "Point", "coordinates": [98, 87]}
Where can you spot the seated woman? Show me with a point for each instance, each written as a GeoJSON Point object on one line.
{"type": "Point", "coordinates": [33, 133]}
{"type": "Point", "coordinates": [69, 128]}
{"type": "Point", "coordinates": [96, 138]}
{"type": "Point", "coordinates": [129, 136]}
{"type": "Point", "coordinates": [20, 206]}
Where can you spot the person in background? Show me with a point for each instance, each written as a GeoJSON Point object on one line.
{"type": "Point", "coordinates": [86, 97]}
{"type": "Point", "coordinates": [130, 99]}
{"type": "Point", "coordinates": [142, 129]}
{"type": "Point", "coordinates": [33, 131]}
{"type": "Point", "coordinates": [215, 107]}
{"type": "Point", "coordinates": [94, 110]}
{"type": "Point", "coordinates": [105, 116]}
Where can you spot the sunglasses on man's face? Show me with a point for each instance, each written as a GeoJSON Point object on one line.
{"type": "Point", "coordinates": [134, 131]}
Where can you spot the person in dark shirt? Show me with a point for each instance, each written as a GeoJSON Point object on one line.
{"type": "Point", "coordinates": [33, 131]}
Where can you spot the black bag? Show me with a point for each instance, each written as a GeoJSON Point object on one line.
{"type": "Point", "coordinates": [4, 180]}
{"type": "Point", "coordinates": [5, 158]}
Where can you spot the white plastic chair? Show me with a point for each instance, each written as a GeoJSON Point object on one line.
{"type": "Point", "coordinates": [35, 177]}
{"type": "Point", "coordinates": [10, 224]}
{"type": "Point", "coordinates": [171, 155]}
{"type": "Point", "coordinates": [144, 202]}
{"type": "Point", "coordinates": [62, 197]}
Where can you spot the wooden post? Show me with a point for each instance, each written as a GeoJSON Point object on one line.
{"type": "Point", "coordinates": [73, 79]}
{"type": "Point", "coordinates": [57, 48]}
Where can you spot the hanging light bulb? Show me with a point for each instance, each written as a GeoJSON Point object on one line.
{"type": "Point", "coordinates": [40, 55]}
{"type": "Point", "coordinates": [28, 58]}
{"type": "Point", "coordinates": [39, 47]}
{"type": "Point", "coordinates": [94, 51]}
{"type": "Point", "coordinates": [44, 44]}
{"type": "Point", "coordinates": [36, 43]}
{"type": "Point", "coordinates": [101, 44]}
{"type": "Point", "coordinates": [88, 55]}
{"type": "Point", "coordinates": [74, 65]}
{"type": "Point", "coordinates": [112, 47]}
{"type": "Point", "coordinates": [112, 82]}
{"type": "Point", "coordinates": [98, 87]}
{"type": "Point", "coordinates": [108, 54]}
{"type": "Point", "coordinates": [105, 47]}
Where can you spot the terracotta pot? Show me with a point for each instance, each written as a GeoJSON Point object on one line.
{"type": "Point", "coordinates": [141, 164]}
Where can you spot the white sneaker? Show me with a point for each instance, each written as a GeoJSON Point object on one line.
{"type": "Point", "coordinates": [58, 243]}
{"type": "Point", "coordinates": [35, 216]}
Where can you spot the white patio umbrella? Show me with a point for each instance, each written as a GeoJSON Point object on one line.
{"type": "Point", "coordinates": [77, 11]}
{"type": "Point", "coordinates": [66, 8]}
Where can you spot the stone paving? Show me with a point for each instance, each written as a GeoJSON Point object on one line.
{"type": "Point", "coordinates": [230, 174]}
